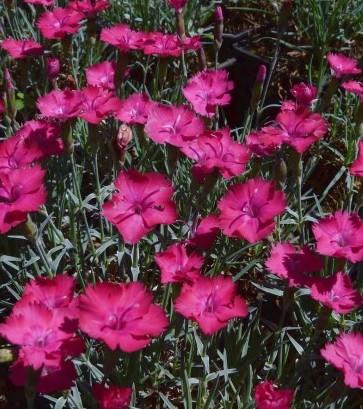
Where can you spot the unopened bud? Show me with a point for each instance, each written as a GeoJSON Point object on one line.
{"type": "Point", "coordinates": [53, 67]}
{"type": "Point", "coordinates": [123, 138]}
{"type": "Point", "coordinates": [258, 86]}
{"type": "Point", "coordinates": [218, 27]}
{"type": "Point", "coordinates": [261, 74]}
{"type": "Point", "coordinates": [177, 4]}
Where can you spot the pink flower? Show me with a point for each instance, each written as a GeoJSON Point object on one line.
{"type": "Point", "coordinates": [89, 7]}
{"type": "Point", "coordinates": [301, 128]}
{"type": "Point", "coordinates": [305, 94]}
{"type": "Point", "coordinates": [336, 292]}
{"type": "Point", "coordinates": [135, 109]}
{"type": "Point", "coordinates": [61, 105]}
{"type": "Point", "coordinates": [265, 141]}
{"type": "Point", "coordinates": [112, 397]}
{"type": "Point", "coordinates": [292, 264]}
{"type": "Point", "coordinates": [212, 302]}
{"type": "Point", "coordinates": [19, 49]}
{"type": "Point", "coordinates": [121, 315]}
{"type": "Point", "coordinates": [174, 125]}
{"type": "Point", "coordinates": [268, 396]}
{"type": "Point", "coordinates": [357, 166]}
{"type": "Point", "coordinates": [354, 87]}
{"type": "Point", "coordinates": [341, 65]}
{"type": "Point", "coordinates": [36, 140]}
{"type": "Point", "coordinates": [248, 209]}
{"type": "Point", "coordinates": [215, 151]}
{"type": "Point", "coordinates": [122, 37]}
{"type": "Point", "coordinates": [346, 354]}
{"type": "Point", "coordinates": [207, 90]}
{"type": "Point", "coordinates": [21, 192]}
{"type": "Point", "coordinates": [206, 232]}
{"type": "Point", "coordinates": [177, 4]}
{"type": "Point", "coordinates": [96, 104]}
{"type": "Point", "coordinates": [42, 335]}
{"type": "Point", "coordinates": [2, 107]}
{"type": "Point", "coordinates": [50, 379]}
{"type": "Point", "coordinates": [59, 23]}
{"type": "Point", "coordinates": [176, 265]}
{"type": "Point", "coordinates": [190, 43]}
{"type": "Point", "coordinates": [340, 235]}
{"type": "Point", "coordinates": [45, 3]}
{"type": "Point", "coordinates": [162, 45]}
{"type": "Point", "coordinates": [53, 293]}
{"type": "Point", "coordinates": [53, 66]}
{"type": "Point", "coordinates": [143, 202]}
{"type": "Point", "coordinates": [102, 75]}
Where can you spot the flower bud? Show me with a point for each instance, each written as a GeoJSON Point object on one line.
{"type": "Point", "coordinates": [218, 27]}
{"type": "Point", "coordinates": [177, 4]}
{"type": "Point", "coordinates": [261, 74]}
{"type": "Point", "coordinates": [123, 138]}
{"type": "Point", "coordinates": [258, 86]}
{"type": "Point", "coordinates": [53, 67]}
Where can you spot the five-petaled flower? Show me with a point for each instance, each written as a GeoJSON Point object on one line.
{"type": "Point", "coordinates": [341, 65]}
{"type": "Point", "coordinates": [102, 75]}
{"type": "Point", "coordinates": [135, 109]}
{"type": "Point", "coordinates": [112, 397]}
{"type": "Point", "coordinates": [19, 49]}
{"type": "Point", "coordinates": [269, 396]}
{"type": "Point", "coordinates": [143, 201]}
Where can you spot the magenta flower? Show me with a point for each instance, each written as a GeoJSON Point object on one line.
{"type": "Point", "coordinates": [354, 87]}
{"type": "Point", "coordinates": [177, 266]}
{"type": "Point", "coordinates": [53, 66]}
{"type": "Point", "coordinates": [212, 302]}
{"type": "Point", "coordinates": [357, 166]}
{"type": "Point", "coordinates": [135, 109]}
{"type": "Point", "coordinates": [268, 396]}
{"type": "Point", "coordinates": [248, 209]}
{"type": "Point", "coordinates": [42, 335]}
{"type": "Point", "coordinates": [21, 192]}
{"type": "Point", "coordinates": [205, 233]}
{"type": "Point", "coordinates": [89, 7]}
{"type": "Point", "coordinates": [346, 354]}
{"type": "Point", "coordinates": [340, 235]}
{"type": "Point", "coordinates": [61, 105]}
{"type": "Point", "coordinates": [265, 141]}
{"type": "Point", "coordinates": [49, 379]}
{"type": "Point", "coordinates": [174, 125]}
{"type": "Point", "coordinates": [20, 49]}
{"type": "Point", "coordinates": [45, 3]}
{"type": "Point", "coordinates": [143, 202]}
{"type": "Point", "coordinates": [305, 94]}
{"type": "Point", "coordinates": [215, 151]}
{"type": "Point", "coordinates": [162, 45]}
{"type": "Point", "coordinates": [177, 4]}
{"type": "Point", "coordinates": [36, 140]}
{"type": "Point", "coordinates": [207, 90]}
{"type": "Point", "coordinates": [301, 128]}
{"type": "Point", "coordinates": [341, 65]}
{"type": "Point", "coordinates": [97, 103]}
{"type": "Point", "coordinates": [336, 292]}
{"type": "Point", "coordinates": [112, 397]}
{"type": "Point", "coordinates": [121, 315]}
{"type": "Point", "coordinates": [122, 37]}
{"type": "Point", "coordinates": [102, 75]}
{"type": "Point", "coordinates": [292, 264]}
{"type": "Point", "coordinates": [58, 23]}
{"type": "Point", "coordinates": [190, 43]}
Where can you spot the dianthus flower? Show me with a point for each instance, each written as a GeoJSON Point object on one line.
{"type": "Point", "coordinates": [341, 65]}
{"type": "Point", "coordinates": [135, 109]}
{"type": "Point", "coordinates": [89, 7]}
{"type": "Point", "coordinates": [162, 45]}
{"type": "Point", "coordinates": [357, 166]}
{"type": "Point", "coordinates": [346, 354]}
{"type": "Point", "coordinates": [59, 23]}
{"type": "Point", "coordinates": [301, 128]}
{"type": "Point", "coordinates": [176, 265]}
{"type": "Point", "coordinates": [215, 151]}
{"type": "Point", "coordinates": [354, 87]}
{"type": "Point", "coordinates": [121, 315]}
{"type": "Point", "coordinates": [292, 264]}
{"type": "Point", "coordinates": [142, 202]}
{"type": "Point", "coordinates": [190, 43]}
{"type": "Point", "coordinates": [112, 397]}
{"type": "Point", "coordinates": [336, 292]}
{"type": "Point", "coordinates": [268, 396]}
{"type": "Point", "coordinates": [102, 75]}
{"type": "Point", "coordinates": [177, 4]}
{"type": "Point", "coordinates": [248, 209]}
{"type": "Point", "coordinates": [61, 105]}
{"type": "Point", "coordinates": [265, 141]}
{"type": "Point", "coordinates": [305, 94]}
{"type": "Point", "coordinates": [212, 302]}
{"type": "Point", "coordinates": [20, 49]}
{"type": "Point", "coordinates": [207, 90]}
{"type": "Point", "coordinates": [205, 233]}
{"type": "Point", "coordinates": [122, 37]}
{"type": "Point", "coordinates": [21, 191]}
{"type": "Point", "coordinates": [97, 103]}
{"type": "Point", "coordinates": [340, 235]}
{"type": "Point", "coordinates": [174, 125]}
